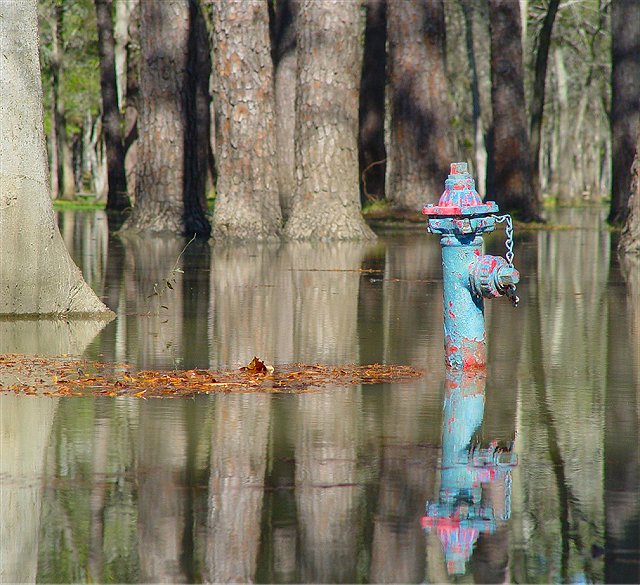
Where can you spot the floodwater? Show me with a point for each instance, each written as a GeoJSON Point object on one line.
{"type": "Point", "coordinates": [528, 473]}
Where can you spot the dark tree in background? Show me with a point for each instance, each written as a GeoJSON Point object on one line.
{"type": "Point", "coordinates": [372, 150]}
{"type": "Point", "coordinates": [421, 145]}
{"type": "Point", "coordinates": [247, 200]}
{"type": "Point", "coordinates": [625, 101]}
{"type": "Point", "coordinates": [327, 199]}
{"type": "Point", "coordinates": [509, 153]}
{"type": "Point", "coordinates": [163, 204]}
{"type": "Point", "coordinates": [117, 197]}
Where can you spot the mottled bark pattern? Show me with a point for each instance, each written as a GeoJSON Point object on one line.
{"type": "Point", "coordinates": [421, 146]}
{"type": "Point", "coordinates": [630, 239]}
{"type": "Point", "coordinates": [160, 182]}
{"type": "Point", "coordinates": [512, 188]}
{"type": "Point", "coordinates": [327, 200]}
{"type": "Point", "coordinates": [247, 203]}
{"type": "Point", "coordinates": [625, 100]}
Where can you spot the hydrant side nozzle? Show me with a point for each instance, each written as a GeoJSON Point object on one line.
{"type": "Point", "coordinates": [492, 276]}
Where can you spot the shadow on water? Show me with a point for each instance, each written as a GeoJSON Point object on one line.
{"type": "Point", "coordinates": [331, 486]}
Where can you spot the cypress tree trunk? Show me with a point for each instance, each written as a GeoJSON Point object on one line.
{"type": "Point", "coordinates": [630, 239]}
{"type": "Point", "coordinates": [512, 188]}
{"type": "Point", "coordinates": [625, 101]}
{"type": "Point", "coordinates": [372, 151]}
{"type": "Point", "coordinates": [421, 146]}
{"type": "Point", "coordinates": [327, 200]}
{"type": "Point", "coordinates": [247, 203]}
{"type": "Point", "coordinates": [117, 198]}
{"type": "Point", "coordinates": [161, 198]}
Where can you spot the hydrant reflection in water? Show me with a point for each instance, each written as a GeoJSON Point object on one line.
{"type": "Point", "coordinates": [460, 515]}
{"type": "Point", "coordinates": [461, 218]}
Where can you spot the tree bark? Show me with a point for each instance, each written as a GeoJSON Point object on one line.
{"type": "Point", "coordinates": [117, 199]}
{"type": "Point", "coordinates": [372, 152]}
{"type": "Point", "coordinates": [282, 21]}
{"type": "Point", "coordinates": [421, 145]}
{"type": "Point", "coordinates": [625, 101]}
{"type": "Point", "coordinates": [247, 202]}
{"type": "Point", "coordinates": [512, 188]}
{"type": "Point", "coordinates": [630, 238]}
{"type": "Point", "coordinates": [537, 99]}
{"type": "Point", "coordinates": [37, 275]}
{"type": "Point", "coordinates": [327, 201]}
{"type": "Point", "coordinates": [161, 198]}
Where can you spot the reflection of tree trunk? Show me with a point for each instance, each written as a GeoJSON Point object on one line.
{"type": "Point", "coordinates": [161, 509]}
{"type": "Point", "coordinates": [236, 487]}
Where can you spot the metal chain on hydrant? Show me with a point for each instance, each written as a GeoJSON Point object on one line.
{"type": "Point", "coordinates": [508, 230]}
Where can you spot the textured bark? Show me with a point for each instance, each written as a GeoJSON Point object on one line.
{"type": "Point", "coordinates": [630, 239]}
{"type": "Point", "coordinates": [247, 204]}
{"type": "Point", "coordinates": [327, 200]}
{"type": "Point", "coordinates": [510, 145]}
{"type": "Point", "coordinates": [421, 147]}
{"type": "Point", "coordinates": [117, 199]}
{"type": "Point", "coordinates": [537, 99]}
{"type": "Point", "coordinates": [372, 151]}
{"type": "Point", "coordinates": [161, 196]}
{"type": "Point", "coordinates": [625, 101]}
{"type": "Point", "coordinates": [37, 275]}
{"type": "Point", "coordinates": [283, 42]}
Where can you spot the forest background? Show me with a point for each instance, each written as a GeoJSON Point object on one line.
{"type": "Point", "coordinates": [293, 114]}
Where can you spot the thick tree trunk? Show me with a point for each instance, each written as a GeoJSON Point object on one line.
{"type": "Point", "coordinates": [512, 188]}
{"type": "Point", "coordinates": [285, 61]}
{"type": "Point", "coordinates": [117, 199]}
{"type": "Point", "coordinates": [37, 275]}
{"type": "Point", "coordinates": [630, 239]}
{"type": "Point", "coordinates": [625, 101]}
{"type": "Point", "coordinates": [247, 203]}
{"type": "Point", "coordinates": [327, 199]}
{"type": "Point", "coordinates": [537, 99]}
{"type": "Point", "coordinates": [421, 145]}
{"type": "Point", "coordinates": [161, 205]}
{"type": "Point", "coordinates": [372, 151]}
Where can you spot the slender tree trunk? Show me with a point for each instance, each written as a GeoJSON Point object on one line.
{"type": "Point", "coordinates": [161, 199]}
{"type": "Point", "coordinates": [283, 41]}
{"type": "Point", "coordinates": [247, 203]}
{"type": "Point", "coordinates": [510, 145]}
{"type": "Point", "coordinates": [537, 100]}
{"type": "Point", "coordinates": [132, 100]}
{"type": "Point", "coordinates": [630, 238]}
{"type": "Point", "coordinates": [117, 199]}
{"type": "Point", "coordinates": [625, 101]}
{"type": "Point", "coordinates": [372, 151]}
{"type": "Point", "coordinates": [421, 146]}
{"type": "Point", "coordinates": [327, 198]}
{"type": "Point", "coordinates": [37, 274]}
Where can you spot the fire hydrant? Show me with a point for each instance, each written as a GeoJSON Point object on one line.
{"type": "Point", "coordinates": [469, 277]}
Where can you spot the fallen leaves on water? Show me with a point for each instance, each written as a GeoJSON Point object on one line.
{"type": "Point", "coordinates": [64, 377]}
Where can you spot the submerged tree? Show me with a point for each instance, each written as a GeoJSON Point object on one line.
{"type": "Point", "coordinates": [326, 204]}
{"type": "Point", "coordinates": [163, 203]}
{"type": "Point", "coordinates": [247, 200]}
{"type": "Point", "coordinates": [421, 147]}
{"type": "Point", "coordinates": [511, 187]}
{"type": "Point", "coordinates": [37, 274]}
{"type": "Point", "coordinates": [625, 101]}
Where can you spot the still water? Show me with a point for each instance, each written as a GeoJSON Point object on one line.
{"type": "Point", "coordinates": [530, 473]}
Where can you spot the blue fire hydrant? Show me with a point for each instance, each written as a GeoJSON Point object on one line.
{"type": "Point", "coordinates": [469, 277]}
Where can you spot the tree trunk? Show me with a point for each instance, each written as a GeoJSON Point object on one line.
{"type": "Point", "coordinates": [625, 101]}
{"type": "Point", "coordinates": [161, 205]}
{"type": "Point", "coordinates": [421, 145]}
{"type": "Point", "coordinates": [372, 151]}
{"type": "Point", "coordinates": [283, 42]}
{"type": "Point", "coordinates": [630, 239]}
{"type": "Point", "coordinates": [38, 275]}
{"type": "Point", "coordinates": [512, 188]}
{"type": "Point", "coordinates": [117, 199]}
{"type": "Point", "coordinates": [537, 99]}
{"type": "Point", "coordinates": [327, 199]}
{"type": "Point", "coordinates": [247, 203]}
